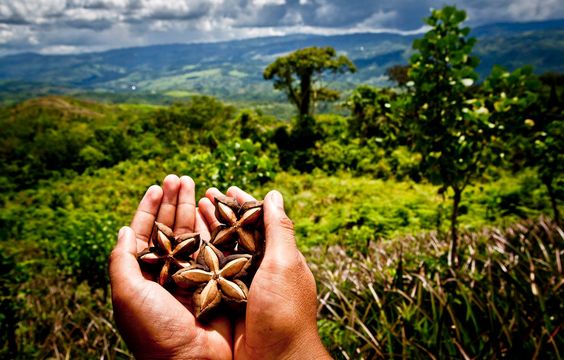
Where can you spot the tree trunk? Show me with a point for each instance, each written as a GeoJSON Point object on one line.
{"type": "Point", "coordinates": [553, 202]}
{"type": "Point", "coordinates": [305, 96]}
{"type": "Point", "coordinates": [453, 251]}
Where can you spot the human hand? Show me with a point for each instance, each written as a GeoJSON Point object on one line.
{"type": "Point", "coordinates": [154, 323]}
{"type": "Point", "coordinates": [280, 321]}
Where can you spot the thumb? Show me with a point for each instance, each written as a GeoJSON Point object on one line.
{"type": "Point", "coordinates": [124, 268]}
{"type": "Point", "coordinates": [279, 229]}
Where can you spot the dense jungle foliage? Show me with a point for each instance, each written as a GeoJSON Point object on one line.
{"type": "Point", "coordinates": [377, 197]}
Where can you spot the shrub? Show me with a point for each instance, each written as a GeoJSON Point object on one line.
{"type": "Point", "coordinates": [240, 162]}
{"type": "Point", "coordinates": [402, 300]}
{"type": "Point", "coordinates": [83, 243]}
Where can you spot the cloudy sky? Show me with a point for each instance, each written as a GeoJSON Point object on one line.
{"type": "Point", "coordinates": [70, 26]}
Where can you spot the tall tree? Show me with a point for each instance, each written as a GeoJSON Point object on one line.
{"type": "Point", "coordinates": [451, 131]}
{"type": "Point", "coordinates": [299, 75]}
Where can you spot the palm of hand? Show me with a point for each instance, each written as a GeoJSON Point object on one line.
{"type": "Point", "coordinates": [282, 302]}
{"type": "Point", "coordinates": [280, 320]}
{"type": "Point", "coordinates": [154, 322]}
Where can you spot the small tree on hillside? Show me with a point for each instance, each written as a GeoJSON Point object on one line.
{"type": "Point", "coordinates": [450, 130]}
{"type": "Point", "coordinates": [299, 76]}
{"type": "Point", "coordinates": [399, 74]}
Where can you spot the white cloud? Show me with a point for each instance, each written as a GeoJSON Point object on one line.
{"type": "Point", "coordinates": [534, 10]}
{"type": "Point", "coordinates": [12, 37]}
{"type": "Point", "coordinates": [6, 34]}
{"type": "Point", "coordinates": [292, 17]}
{"type": "Point", "coordinates": [60, 49]}
{"type": "Point", "coordinates": [261, 3]}
{"type": "Point", "coordinates": [327, 12]}
{"type": "Point", "coordinates": [484, 11]}
{"type": "Point", "coordinates": [169, 10]}
{"type": "Point", "coordinates": [378, 19]}
{"type": "Point", "coordinates": [82, 25]}
{"type": "Point", "coordinates": [91, 19]}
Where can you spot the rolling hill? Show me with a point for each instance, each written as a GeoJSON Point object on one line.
{"type": "Point", "coordinates": [233, 70]}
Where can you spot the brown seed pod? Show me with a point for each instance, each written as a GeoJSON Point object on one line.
{"type": "Point", "coordinates": [239, 224]}
{"type": "Point", "coordinates": [216, 278]}
{"type": "Point", "coordinates": [170, 252]}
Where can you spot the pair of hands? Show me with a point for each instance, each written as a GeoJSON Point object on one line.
{"type": "Point", "coordinates": [280, 321]}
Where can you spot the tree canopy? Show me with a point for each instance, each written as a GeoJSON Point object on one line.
{"type": "Point", "coordinates": [299, 75]}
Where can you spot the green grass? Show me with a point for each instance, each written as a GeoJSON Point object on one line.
{"type": "Point", "coordinates": [326, 209]}
{"type": "Point", "coordinates": [402, 300]}
{"type": "Point", "coordinates": [179, 93]}
{"type": "Point", "coordinates": [342, 209]}
{"type": "Point", "coordinates": [175, 82]}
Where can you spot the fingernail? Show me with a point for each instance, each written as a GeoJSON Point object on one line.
{"type": "Point", "coordinates": [277, 199]}
{"type": "Point", "coordinates": [122, 232]}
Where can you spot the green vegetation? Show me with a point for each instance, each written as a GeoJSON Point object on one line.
{"type": "Point", "coordinates": [372, 211]}
{"type": "Point", "coordinates": [404, 300]}
{"type": "Point", "coordinates": [451, 136]}
{"type": "Point", "coordinates": [299, 75]}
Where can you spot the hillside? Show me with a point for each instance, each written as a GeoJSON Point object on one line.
{"type": "Point", "coordinates": [233, 70]}
{"type": "Point", "coordinates": [72, 172]}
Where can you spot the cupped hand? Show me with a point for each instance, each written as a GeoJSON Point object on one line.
{"type": "Point", "coordinates": [280, 321]}
{"type": "Point", "coordinates": [154, 323]}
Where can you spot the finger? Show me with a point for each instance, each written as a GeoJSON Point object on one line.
{"type": "Point", "coordinates": [239, 332]}
{"type": "Point", "coordinates": [207, 210]}
{"type": "Point", "coordinates": [167, 211]}
{"type": "Point", "coordinates": [212, 193]}
{"type": "Point", "coordinates": [144, 218]}
{"type": "Point", "coordinates": [186, 208]}
{"type": "Point", "coordinates": [201, 226]}
{"type": "Point", "coordinates": [220, 327]}
{"type": "Point", "coordinates": [239, 194]}
{"type": "Point", "coordinates": [280, 242]}
{"type": "Point", "coordinates": [124, 268]}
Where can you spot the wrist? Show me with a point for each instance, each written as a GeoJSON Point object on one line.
{"type": "Point", "coordinates": [307, 347]}
{"type": "Point", "coordinates": [302, 345]}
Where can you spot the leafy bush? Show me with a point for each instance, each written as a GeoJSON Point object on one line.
{"type": "Point", "coordinates": [83, 243]}
{"type": "Point", "coordinates": [199, 113]}
{"type": "Point", "coordinates": [240, 162]}
{"type": "Point", "coordinates": [13, 276]}
{"type": "Point", "coordinates": [333, 156]}
{"type": "Point", "coordinates": [403, 300]}
{"type": "Point", "coordinates": [372, 115]}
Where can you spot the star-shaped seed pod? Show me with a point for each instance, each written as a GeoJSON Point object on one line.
{"type": "Point", "coordinates": [216, 277]}
{"type": "Point", "coordinates": [170, 251]}
{"type": "Point", "coordinates": [239, 223]}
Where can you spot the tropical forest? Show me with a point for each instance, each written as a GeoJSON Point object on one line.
{"type": "Point", "coordinates": [425, 189]}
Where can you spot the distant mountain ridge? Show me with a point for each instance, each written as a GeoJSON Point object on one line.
{"type": "Point", "coordinates": [233, 69]}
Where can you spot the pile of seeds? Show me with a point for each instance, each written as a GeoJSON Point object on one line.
{"type": "Point", "coordinates": [222, 271]}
